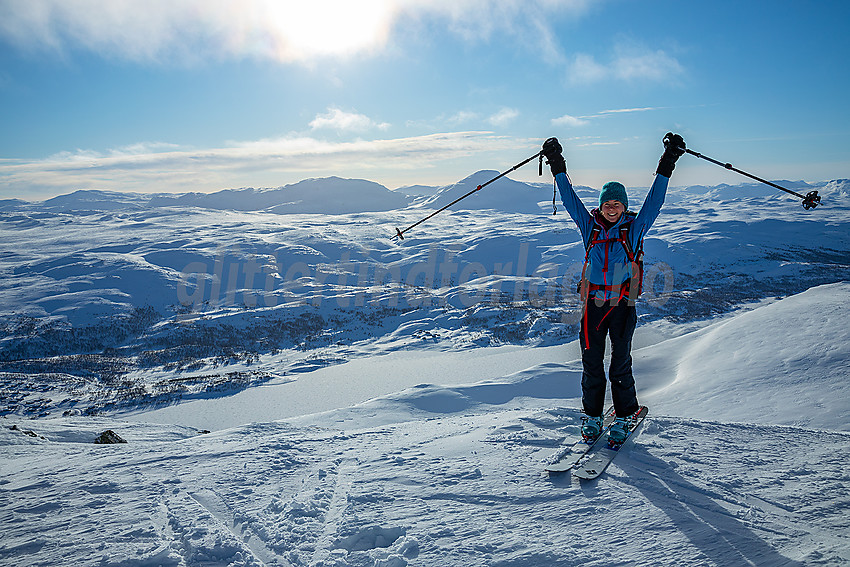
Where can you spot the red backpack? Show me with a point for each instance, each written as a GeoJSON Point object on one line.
{"type": "Point", "coordinates": [625, 289]}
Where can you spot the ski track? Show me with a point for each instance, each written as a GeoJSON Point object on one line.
{"type": "Point", "coordinates": [452, 490]}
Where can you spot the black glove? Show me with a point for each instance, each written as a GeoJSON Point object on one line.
{"type": "Point", "coordinates": [552, 152]}
{"type": "Point", "coordinates": [674, 147]}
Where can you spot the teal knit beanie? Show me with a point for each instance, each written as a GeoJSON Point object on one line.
{"type": "Point", "coordinates": [614, 191]}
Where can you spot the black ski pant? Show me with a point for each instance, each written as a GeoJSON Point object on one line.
{"type": "Point", "coordinates": [599, 322]}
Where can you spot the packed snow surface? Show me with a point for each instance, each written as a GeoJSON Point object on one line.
{"type": "Point", "coordinates": [423, 439]}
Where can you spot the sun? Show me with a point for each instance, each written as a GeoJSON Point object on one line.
{"type": "Point", "coordinates": [305, 30]}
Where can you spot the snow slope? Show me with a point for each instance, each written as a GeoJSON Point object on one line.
{"type": "Point", "coordinates": [784, 363]}
{"type": "Point", "coordinates": [729, 370]}
{"type": "Point", "coordinates": [452, 475]}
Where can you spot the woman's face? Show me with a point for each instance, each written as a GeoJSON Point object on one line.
{"type": "Point", "coordinates": [612, 210]}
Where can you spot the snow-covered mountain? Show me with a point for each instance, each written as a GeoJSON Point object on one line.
{"type": "Point", "coordinates": [504, 195]}
{"type": "Point", "coordinates": [330, 195]}
{"type": "Point", "coordinates": [379, 402]}
{"type": "Point", "coordinates": [418, 190]}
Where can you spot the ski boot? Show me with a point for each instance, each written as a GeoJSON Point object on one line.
{"type": "Point", "coordinates": [619, 431]}
{"type": "Point", "coordinates": [591, 428]}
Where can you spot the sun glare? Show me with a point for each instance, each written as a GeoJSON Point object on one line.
{"type": "Point", "coordinates": [304, 30]}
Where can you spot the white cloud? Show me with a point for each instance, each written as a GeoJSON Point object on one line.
{"type": "Point", "coordinates": [287, 31]}
{"type": "Point", "coordinates": [443, 122]}
{"type": "Point", "coordinates": [651, 65]}
{"type": "Point", "coordinates": [576, 121]}
{"type": "Point", "coordinates": [628, 110]}
{"type": "Point", "coordinates": [569, 121]}
{"type": "Point", "coordinates": [190, 30]}
{"type": "Point", "coordinates": [336, 119]}
{"type": "Point", "coordinates": [630, 63]}
{"type": "Point", "coordinates": [503, 117]}
{"type": "Point", "coordinates": [585, 69]}
{"type": "Point", "coordinates": [259, 163]}
{"type": "Point", "coordinates": [526, 21]}
{"type": "Point", "coordinates": [137, 149]}
{"type": "Point", "coordinates": [462, 117]}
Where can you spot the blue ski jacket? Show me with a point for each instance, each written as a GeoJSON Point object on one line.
{"type": "Point", "coordinates": [608, 264]}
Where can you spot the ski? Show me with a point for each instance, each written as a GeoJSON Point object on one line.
{"type": "Point", "coordinates": [594, 463]}
{"type": "Point", "coordinates": [570, 457]}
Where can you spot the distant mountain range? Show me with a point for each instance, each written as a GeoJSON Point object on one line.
{"type": "Point", "coordinates": [335, 195]}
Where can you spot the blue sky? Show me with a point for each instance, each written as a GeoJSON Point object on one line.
{"type": "Point", "coordinates": [202, 95]}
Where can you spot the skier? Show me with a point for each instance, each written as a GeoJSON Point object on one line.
{"type": "Point", "coordinates": [613, 239]}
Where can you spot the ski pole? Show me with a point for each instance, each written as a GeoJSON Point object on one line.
{"type": "Point", "coordinates": [810, 200]}
{"type": "Point", "coordinates": [400, 233]}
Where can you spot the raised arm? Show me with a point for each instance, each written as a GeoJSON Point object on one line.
{"type": "Point", "coordinates": [553, 152]}
{"type": "Point", "coordinates": [674, 147]}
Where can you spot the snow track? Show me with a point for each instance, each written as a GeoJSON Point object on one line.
{"type": "Point", "coordinates": [455, 490]}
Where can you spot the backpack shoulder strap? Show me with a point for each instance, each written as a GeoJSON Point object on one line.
{"type": "Point", "coordinates": [624, 238]}
{"type": "Point", "coordinates": [627, 245]}
{"type": "Point", "coordinates": [592, 239]}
